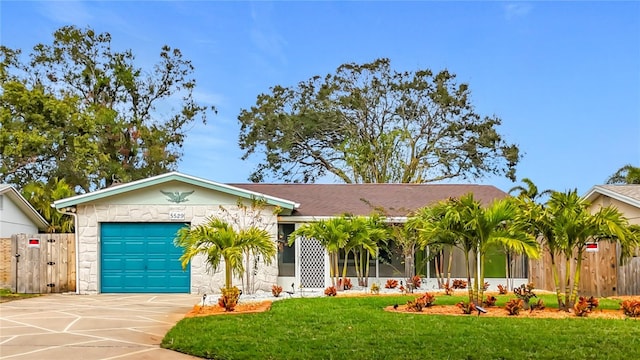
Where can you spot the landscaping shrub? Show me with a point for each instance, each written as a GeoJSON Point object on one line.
{"type": "Point", "coordinates": [466, 307]}
{"type": "Point", "coordinates": [276, 290]}
{"type": "Point", "coordinates": [229, 298]}
{"type": "Point", "coordinates": [514, 306]}
{"type": "Point", "coordinates": [375, 288]}
{"type": "Point", "coordinates": [631, 308]}
{"type": "Point", "coordinates": [490, 301]}
{"type": "Point", "coordinates": [391, 284]}
{"type": "Point", "coordinates": [584, 306]}
{"type": "Point", "coordinates": [502, 289]}
{"type": "Point", "coordinates": [525, 293]}
{"type": "Point", "coordinates": [331, 291]}
{"type": "Point", "coordinates": [459, 284]}
{"type": "Point", "coordinates": [416, 281]}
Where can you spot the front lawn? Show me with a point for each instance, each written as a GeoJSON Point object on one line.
{"type": "Point", "coordinates": [6, 295]}
{"type": "Point", "coordinates": [358, 328]}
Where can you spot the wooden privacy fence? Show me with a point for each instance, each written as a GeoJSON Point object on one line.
{"type": "Point", "coordinates": [601, 273]}
{"type": "Point", "coordinates": [46, 263]}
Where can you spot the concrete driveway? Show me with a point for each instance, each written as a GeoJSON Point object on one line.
{"type": "Point", "coordinates": [91, 327]}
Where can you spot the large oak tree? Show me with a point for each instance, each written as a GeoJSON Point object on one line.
{"type": "Point", "coordinates": [371, 124]}
{"type": "Point", "coordinates": [79, 110]}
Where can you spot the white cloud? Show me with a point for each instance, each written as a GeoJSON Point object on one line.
{"type": "Point", "coordinates": [517, 10]}
{"type": "Point", "coordinates": [67, 12]}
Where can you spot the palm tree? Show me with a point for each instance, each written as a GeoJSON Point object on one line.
{"type": "Point", "coordinates": [475, 229]}
{"type": "Point", "coordinates": [529, 190]}
{"type": "Point", "coordinates": [364, 235]}
{"type": "Point", "coordinates": [333, 234]}
{"type": "Point", "coordinates": [539, 222]}
{"type": "Point", "coordinates": [219, 242]}
{"type": "Point", "coordinates": [574, 223]}
{"type": "Point", "coordinates": [445, 224]}
{"type": "Point", "coordinates": [497, 225]}
{"type": "Point", "coordinates": [41, 196]}
{"type": "Point", "coordinates": [627, 174]}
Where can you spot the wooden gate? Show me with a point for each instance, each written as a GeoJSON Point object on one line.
{"type": "Point", "coordinates": [598, 276]}
{"type": "Point", "coordinates": [46, 263]}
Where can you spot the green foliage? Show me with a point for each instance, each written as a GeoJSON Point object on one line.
{"type": "Point", "coordinates": [353, 234]}
{"type": "Point", "coordinates": [370, 124]}
{"type": "Point", "coordinates": [229, 298]}
{"type": "Point", "coordinates": [627, 174]}
{"type": "Point", "coordinates": [475, 230]}
{"type": "Point", "coordinates": [375, 288]}
{"type": "Point", "coordinates": [41, 196]}
{"type": "Point", "coordinates": [80, 111]}
{"type": "Point", "coordinates": [525, 293]}
{"type": "Point", "coordinates": [317, 328]}
{"type": "Point", "coordinates": [218, 241]}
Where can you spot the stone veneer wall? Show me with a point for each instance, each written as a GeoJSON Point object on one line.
{"type": "Point", "coordinates": [203, 280]}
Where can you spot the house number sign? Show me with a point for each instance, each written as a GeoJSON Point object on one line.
{"type": "Point", "coordinates": [176, 215]}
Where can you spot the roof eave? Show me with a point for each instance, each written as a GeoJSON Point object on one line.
{"type": "Point", "coordinates": [139, 184]}
{"type": "Point", "coordinates": [27, 208]}
{"type": "Point", "coordinates": [599, 190]}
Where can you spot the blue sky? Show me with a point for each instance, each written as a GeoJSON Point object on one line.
{"type": "Point", "coordinates": [563, 76]}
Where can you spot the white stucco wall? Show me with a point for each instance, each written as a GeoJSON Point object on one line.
{"type": "Point", "coordinates": [202, 281]}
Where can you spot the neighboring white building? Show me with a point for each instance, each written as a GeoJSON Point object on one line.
{"type": "Point", "coordinates": [17, 216]}
{"type": "Point", "coordinates": [125, 232]}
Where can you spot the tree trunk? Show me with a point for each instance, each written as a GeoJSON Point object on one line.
{"type": "Point", "coordinates": [469, 287]}
{"type": "Point", "coordinates": [366, 275]}
{"type": "Point", "coordinates": [438, 276]}
{"type": "Point", "coordinates": [567, 283]}
{"type": "Point", "coordinates": [576, 279]}
{"type": "Point", "coordinates": [506, 269]}
{"type": "Point", "coordinates": [481, 288]}
{"type": "Point", "coordinates": [228, 271]}
{"type": "Point", "coordinates": [556, 282]}
{"type": "Point", "coordinates": [449, 266]}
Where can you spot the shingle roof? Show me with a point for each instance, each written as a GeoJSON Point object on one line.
{"type": "Point", "coordinates": [629, 194]}
{"type": "Point", "coordinates": [361, 199]}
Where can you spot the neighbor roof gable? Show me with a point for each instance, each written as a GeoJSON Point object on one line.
{"type": "Point", "coordinates": [22, 203]}
{"type": "Point", "coordinates": [629, 194]}
{"type": "Point", "coordinates": [172, 176]}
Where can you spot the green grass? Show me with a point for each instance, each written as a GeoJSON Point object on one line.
{"type": "Point", "coordinates": [358, 328]}
{"type": "Point", "coordinates": [6, 295]}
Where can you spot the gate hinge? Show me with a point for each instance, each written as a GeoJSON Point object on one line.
{"type": "Point", "coordinates": [51, 285]}
{"type": "Point", "coordinates": [51, 240]}
{"type": "Point", "coordinates": [51, 263]}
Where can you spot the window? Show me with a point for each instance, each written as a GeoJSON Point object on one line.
{"type": "Point", "coordinates": [286, 253]}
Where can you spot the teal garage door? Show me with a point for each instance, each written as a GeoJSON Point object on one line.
{"type": "Point", "coordinates": [141, 258]}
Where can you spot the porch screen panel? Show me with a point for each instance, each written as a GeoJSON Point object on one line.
{"type": "Point", "coordinates": [311, 263]}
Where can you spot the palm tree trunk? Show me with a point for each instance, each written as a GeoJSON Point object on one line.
{"type": "Point", "coordinates": [556, 281]}
{"type": "Point", "coordinates": [567, 283]}
{"type": "Point", "coordinates": [332, 269]}
{"type": "Point", "coordinates": [344, 270]}
{"type": "Point", "coordinates": [576, 279]}
{"type": "Point", "coordinates": [449, 266]}
{"type": "Point", "coordinates": [469, 287]}
{"type": "Point", "coordinates": [366, 275]}
{"type": "Point", "coordinates": [438, 276]}
{"type": "Point", "coordinates": [228, 271]}
{"type": "Point", "coordinates": [476, 279]}
{"type": "Point", "coordinates": [481, 288]}
{"type": "Point", "coordinates": [336, 268]}
{"type": "Point", "coordinates": [506, 268]}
